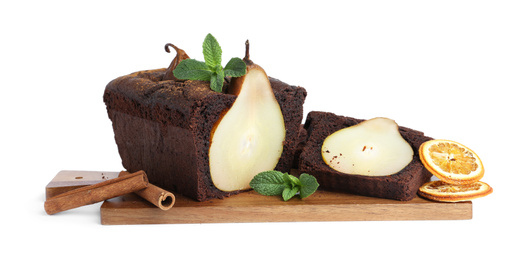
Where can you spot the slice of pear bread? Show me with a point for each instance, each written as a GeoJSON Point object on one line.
{"type": "Point", "coordinates": [402, 185]}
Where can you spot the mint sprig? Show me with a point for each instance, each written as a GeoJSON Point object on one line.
{"type": "Point", "coordinates": [276, 183]}
{"type": "Point", "coordinates": [211, 69]}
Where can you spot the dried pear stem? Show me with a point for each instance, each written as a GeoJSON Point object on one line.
{"type": "Point", "coordinates": [246, 58]}
{"type": "Point", "coordinates": [181, 55]}
{"type": "Point", "coordinates": [247, 54]}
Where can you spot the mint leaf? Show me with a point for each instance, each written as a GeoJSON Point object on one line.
{"type": "Point", "coordinates": [308, 186]}
{"type": "Point", "coordinates": [289, 193]}
{"type": "Point", "coordinates": [212, 51]}
{"type": "Point", "coordinates": [272, 183]}
{"type": "Point", "coordinates": [235, 68]}
{"type": "Point", "coordinates": [269, 183]}
{"type": "Point", "coordinates": [192, 69]}
{"type": "Point", "coordinates": [291, 180]}
{"type": "Point", "coordinates": [217, 81]}
{"type": "Point", "coordinates": [210, 70]}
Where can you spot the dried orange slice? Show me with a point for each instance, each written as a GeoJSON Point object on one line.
{"type": "Point", "coordinates": [451, 162]}
{"type": "Point", "coordinates": [441, 191]}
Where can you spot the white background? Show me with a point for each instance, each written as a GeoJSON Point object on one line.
{"type": "Point", "coordinates": [448, 68]}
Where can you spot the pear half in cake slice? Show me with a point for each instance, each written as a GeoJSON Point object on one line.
{"type": "Point", "coordinates": [372, 148]}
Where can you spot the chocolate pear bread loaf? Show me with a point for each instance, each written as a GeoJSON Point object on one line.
{"type": "Point", "coordinates": [164, 127]}
{"type": "Point", "coordinates": [401, 186]}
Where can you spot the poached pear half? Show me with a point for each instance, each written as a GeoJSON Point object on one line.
{"type": "Point", "coordinates": [248, 139]}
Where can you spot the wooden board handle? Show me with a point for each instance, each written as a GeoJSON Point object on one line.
{"type": "Point", "coordinates": [97, 192]}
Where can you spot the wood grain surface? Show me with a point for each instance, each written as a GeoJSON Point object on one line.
{"type": "Point", "coordinates": [252, 207]}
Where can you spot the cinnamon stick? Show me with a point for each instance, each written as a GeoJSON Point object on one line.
{"type": "Point", "coordinates": [96, 193]}
{"type": "Point", "coordinates": [161, 198]}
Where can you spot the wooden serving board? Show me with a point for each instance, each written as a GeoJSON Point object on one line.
{"type": "Point", "coordinates": [252, 207]}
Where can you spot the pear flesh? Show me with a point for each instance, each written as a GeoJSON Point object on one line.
{"type": "Point", "coordinates": [372, 148]}
{"type": "Point", "coordinates": [249, 137]}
